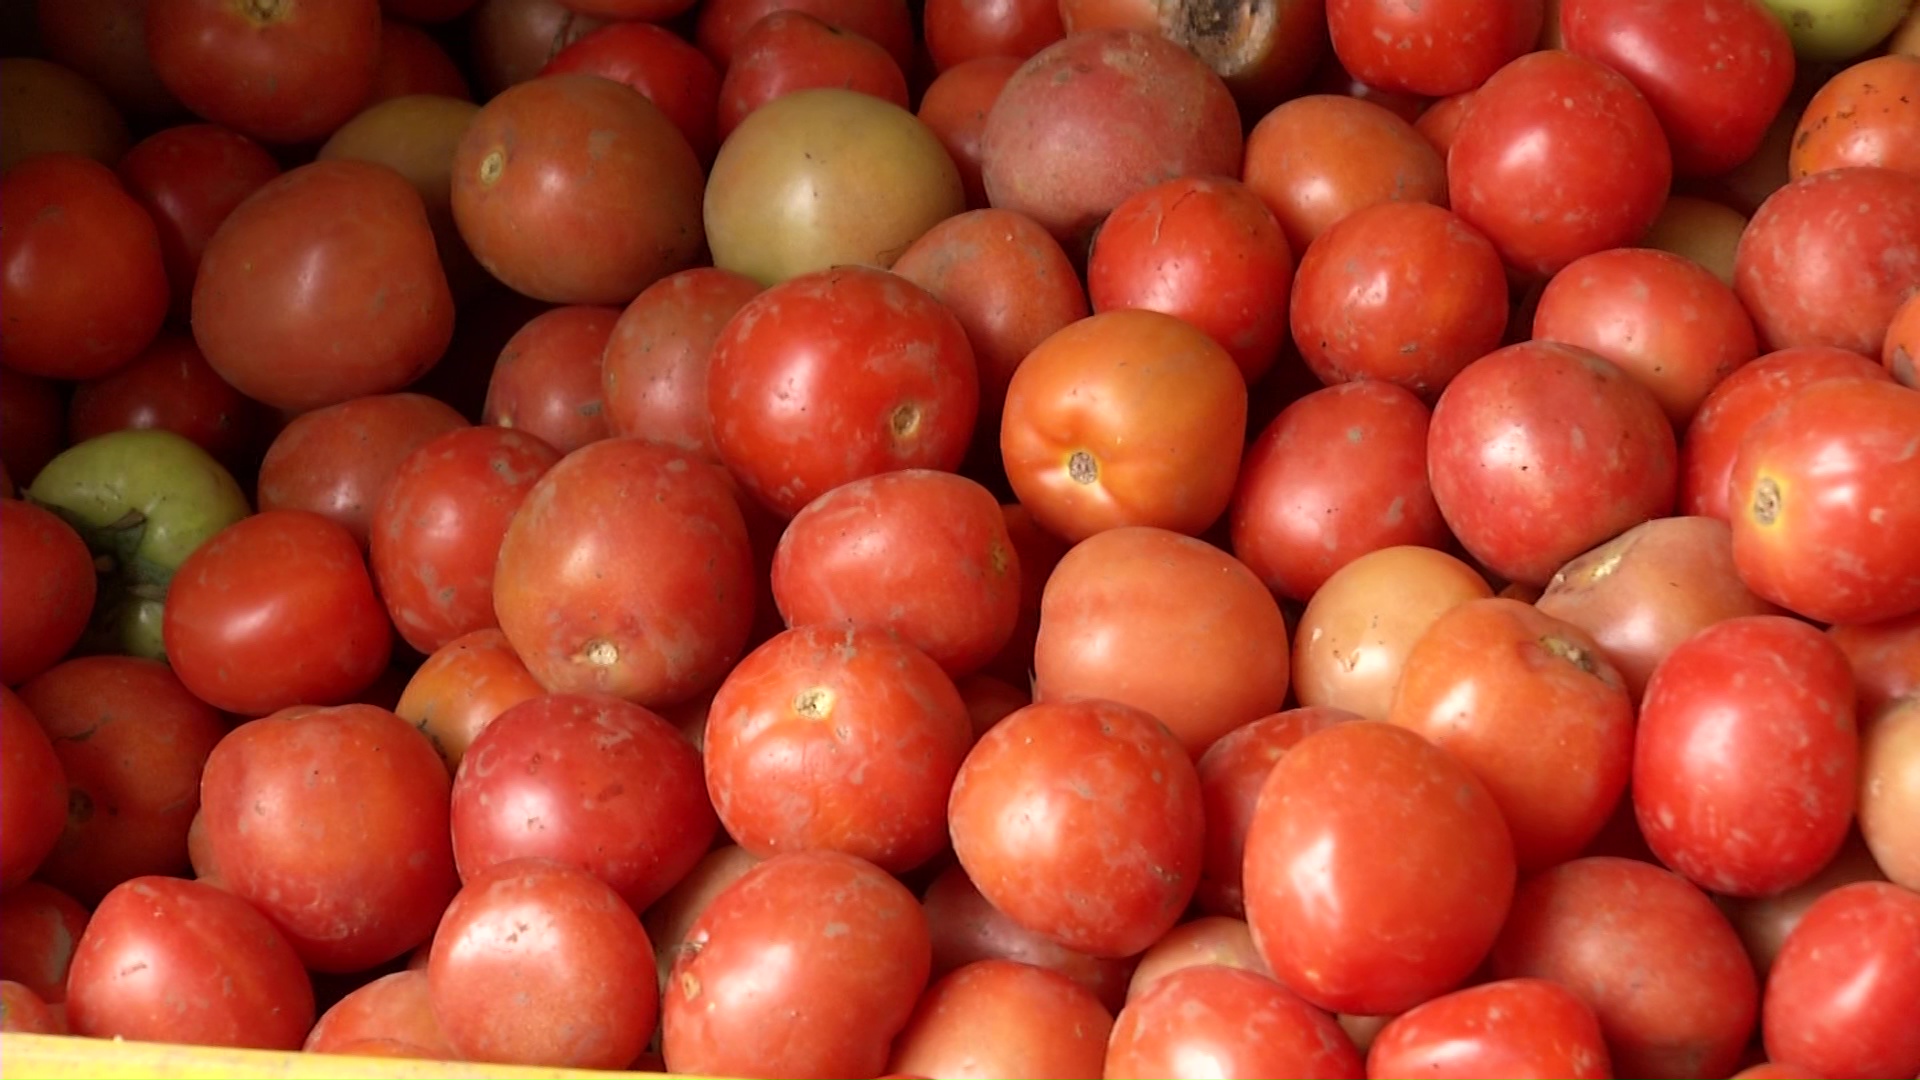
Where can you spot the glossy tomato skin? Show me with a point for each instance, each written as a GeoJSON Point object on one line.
{"type": "Point", "coordinates": [337, 461]}
{"type": "Point", "coordinates": [627, 570]}
{"type": "Point", "coordinates": [46, 596]}
{"type": "Point", "coordinates": [999, 1017]}
{"type": "Point", "coordinates": [1839, 996]}
{"type": "Point", "coordinates": [1136, 845]}
{"type": "Point", "coordinates": [808, 965]}
{"type": "Point", "coordinates": [1746, 755]}
{"type": "Point", "coordinates": [547, 381]}
{"type": "Point", "coordinates": [966, 928]}
{"type": "Point", "coordinates": [393, 1007]}
{"type": "Point", "coordinates": [1543, 218]}
{"type": "Point", "coordinates": [300, 303]}
{"type": "Point", "coordinates": [1375, 928]}
{"type": "Point", "coordinates": [436, 530]}
{"type": "Point", "coordinates": [33, 799]}
{"type": "Point", "coordinates": [664, 67]}
{"type": "Point", "coordinates": [283, 73]}
{"type": "Point", "coordinates": [85, 282]}
{"type": "Point", "coordinates": [276, 610]}
{"type": "Point", "coordinates": [334, 823]}
{"type": "Point", "coordinates": [464, 686]}
{"type": "Point", "coordinates": [721, 23]}
{"type": "Point", "coordinates": [587, 995]}
{"type": "Point", "coordinates": [171, 386]}
{"type": "Point", "coordinates": [790, 50]}
{"type": "Point", "coordinates": [1240, 1022]}
{"type": "Point", "coordinates": [190, 178]}
{"type": "Point", "coordinates": [653, 372]}
{"type": "Point", "coordinates": [1514, 1027]}
{"type": "Point", "coordinates": [1508, 456]}
{"type": "Point", "coordinates": [958, 30]}
{"type": "Point", "coordinates": [1865, 115]}
{"type": "Point", "coordinates": [1648, 952]}
{"type": "Point", "coordinates": [166, 960]}
{"type": "Point", "coordinates": [837, 375]}
{"type": "Point", "coordinates": [1433, 49]}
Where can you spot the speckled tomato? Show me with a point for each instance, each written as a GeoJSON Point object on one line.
{"type": "Point", "coordinates": [653, 371]}
{"type": "Point", "coordinates": [548, 382]}
{"type": "Point", "coordinates": [1512, 1027]}
{"type": "Point", "coordinates": [1317, 159]}
{"type": "Point", "coordinates": [663, 66]}
{"type": "Point", "coordinates": [1868, 114]}
{"type": "Point", "coordinates": [337, 461]}
{"type": "Point", "coordinates": [1837, 996]}
{"type": "Point", "coordinates": [462, 688]}
{"type": "Point", "coordinates": [1239, 1022]}
{"type": "Point", "coordinates": [1431, 48]}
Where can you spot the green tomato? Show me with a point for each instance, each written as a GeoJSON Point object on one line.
{"type": "Point", "coordinates": [1833, 30]}
{"type": "Point", "coordinates": [143, 501]}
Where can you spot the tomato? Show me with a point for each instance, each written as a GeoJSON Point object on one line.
{"type": "Point", "coordinates": [464, 686]}
{"type": "Point", "coordinates": [23, 1011]}
{"type": "Point", "coordinates": [106, 41]}
{"type": "Point", "coordinates": [1742, 400]}
{"type": "Point", "coordinates": [835, 376]}
{"type": "Point", "coordinates": [1401, 292]}
{"type": "Point", "coordinates": [1821, 492]}
{"type": "Point", "coordinates": [165, 960]}
{"type": "Point", "coordinates": [1208, 940]}
{"type": "Point", "coordinates": [511, 40]}
{"type": "Point", "coordinates": [190, 178]}
{"type": "Point", "coordinates": [722, 23]}
{"type": "Point", "coordinates": [1649, 954]}
{"type": "Point", "coordinates": [1507, 453]}
{"type": "Point", "coordinates": [961, 30]}
{"type": "Point", "coordinates": [1001, 1018]}
{"type": "Point", "coordinates": [1433, 48]}
{"type": "Point", "coordinates": [1901, 352]}
{"type": "Point", "coordinates": [39, 927]}
{"type": "Point", "coordinates": [1440, 122]}
{"type": "Point", "coordinates": [1040, 552]}
{"type": "Point", "coordinates": [1514, 1027]}
{"type": "Point", "coordinates": [394, 1007]}
{"type": "Point", "coordinates": [654, 365]}
{"type": "Point", "coordinates": [301, 305]}
{"type": "Point", "coordinates": [648, 599]}
{"type": "Point", "coordinates": [1702, 230]}
{"type": "Point", "coordinates": [1541, 218]}
{"type": "Point", "coordinates": [1838, 995]}
{"type": "Point", "coordinates": [1218, 1021]}
{"type": "Point", "coordinates": [33, 797]}
{"type": "Point", "coordinates": [337, 461]}
{"type": "Point", "coordinates": [46, 596]}
{"type": "Point", "coordinates": [85, 286]}
{"type": "Point", "coordinates": [548, 380]}
{"type": "Point", "coordinates": [966, 929]}
{"type": "Point", "coordinates": [285, 73]}
{"type": "Point", "coordinates": [591, 781]}
{"type": "Point", "coordinates": [1885, 657]}
{"type": "Point", "coordinates": [662, 66]}
{"type": "Point", "coordinates": [31, 429]}
{"type": "Point", "coordinates": [1317, 159]}
{"type": "Point", "coordinates": [791, 50]}
{"type": "Point", "coordinates": [50, 109]}
{"type": "Point", "coordinates": [172, 387]}
{"type": "Point", "coordinates": [669, 919]}
{"type": "Point", "coordinates": [412, 64]}
{"type": "Point", "coordinates": [808, 965]}
{"type": "Point", "coordinates": [1081, 820]}
{"type": "Point", "coordinates": [1890, 790]}
{"type": "Point", "coordinates": [1865, 115]}
{"type": "Point", "coordinates": [540, 963]}
{"type": "Point", "coordinates": [1812, 271]}
{"type": "Point", "coordinates": [1764, 922]}
{"type": "Point", "coordinates": [955, 107]}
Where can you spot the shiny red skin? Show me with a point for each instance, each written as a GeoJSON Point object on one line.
{"type": "Point", "coordinates": [1838, 995]}
{"type": "Point", "coordinates": [838, 375]}
{"type": "Point", "coordinates": [547, 381]}
{"type": "Point", "coordinates": [961, 30]}
{"type": "Point", "coordinates": [460, 689]}
{"type": "Point", "coordinates": [393, 1008]}
{"type": "Point", "coordinates": [888, 23]}
{"type": "Point", "coordinates": [190, 178]}
{"type": "Point", "coordinates": [1542, 218]}
{"type": "Point", "coordinates": [791, 50]}
{"type": "Point", "coordinates": [172, 387]}
{"type": "Point", "coordinates": [1239, 1022]}
{"type": "Point", "coordinates": [337, 461]}
{"type": "Point", "coordinates": [1514, 1027]}
{"type": "Point", "coordinates": [33, 792]}
{"type": "Point", "coordinates": [47, 592]}
{"type": "Point", "coordinates": [955, 106]}
{"type": "Point", "coordinates": [662, 66]}
{"type": "Point", "coordinates": [1508, 457]}
{"type": "Point", "coordinates": [654, 369]}
{"type": "Point", "coordinates": [39, 928]}
{"type": "Point", "coordinates": [1431, 48]}
{"type": "Point", "coordinates": [436, 531]}
{"type": "Point", "coordinates": [284, 73]}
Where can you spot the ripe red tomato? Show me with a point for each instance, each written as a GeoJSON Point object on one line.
{"type": "Point", "coordinates": [1825, 495]}
{"type": "Point", "coordinates": [24, 1011]}
{"type": "Point", "coordinates": [1650, 954]}
{"type": "Point", "coordinates": [888, 22]}
{"type": "Point", "coordinates": [39, 927]}
{"type": "Point", "coordinates": [961, 30]}
{"type": "Point", "coordinates": [1317, 159]}
{"type": "Point", "coordinates": [1543, 216]}
{"type": "Point", "coordinates": [1440, 122]}
{"type": "Point", "coordinates": [1901, 352]}
{"type": "Point", "coordinates": [648, 599]}
{"type": "Point", "coordinates": [337, 461]}
{"type": "Point", "coordinates": [1238, 1022]}
{"type": "Point", "coordinates": [276, 610]}
{"type": "Point", "coordinates": [1885, 657]}
{"type": "Point", "coordinates": [1514, 1027]}
{"type": "Point", "coordinates": [464, 686]}
{"type": "Point", "coordinates": [1839, 997]}
{"type": "Point", "coordinates": [1081, 820]}
{"type": "Point", "coordinates": [396, 1008]}
{"type": "Point", "coordinates": [654, 367]}
{"type": "Point", "coordinates": [588, 780]}
{"type": "Point", "coordinates": [33, 792]}
{"type": "Point", "coordinates": [166, 960]}
{"type": "Point", "coordinates": [966, 928]}
{"type": "Point", "coordinates": [284, 73]}
{"type": "Point", "coordinates": [838, 375]}
{"type": "Point", "coordinates": [808, 965]}
{"type": "Point", "coordinates": [1208, 940]}
{"type": "Point", "coordinates": [658, 63]}
{"type": "Point", "coordinates": [1432, 48]}
{"type": "Point", "coordinates": [1002, 1018]}
{"type": "Point", "coordinates": [790, 50]}
{"type": "Point", "coordinates": [1375, 928]}
{"type": "Point", "coordinates": [172, 387]}
{"type": "Point", "coordinates": [47, 593]}
{"type": "Point", "coordinates": [190, 178]}
{"type": "Point", "coordinates": [955, 106]}
{"type": "Point", "coordinates": [1865, 115]}
{"type": "Point", "coordinates": [106, 41]}
{"type": "Point", "coordinates": [541, 963]}
{"type": "Point", "coordinates": [1511, 459]}
{"type": "Point", "coordinates": [547, 381]}
{"type": "Point", "coordinates": [85, 286]}
{"type": "Point", "coordinates": [1890, 790]}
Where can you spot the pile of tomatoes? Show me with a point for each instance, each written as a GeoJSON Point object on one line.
{"type": "Point", "coordinates": [1074, 538]}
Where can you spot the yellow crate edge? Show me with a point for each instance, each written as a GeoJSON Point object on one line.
{"type": "Point", "coordinates": [60, 1057]}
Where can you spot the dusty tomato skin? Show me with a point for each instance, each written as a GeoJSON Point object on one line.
{"type": "Point", "coordinates": [653, 372]}
{"type": "Point", "coordinates": [1825, 496]}
{"type": "Point", "coordinates": [548, 382]}
{"type": "Point", "coordinates": [1433, 49]}
{"type": "Point", "coordinates": [337, 461]}
{"type": "Point", "coordinates": [1864, 936]}
{"type": "Point", "coordinates": [1511, 1027]}
{"type": "Point", "coordinates": [33, 800]}
{"type": "Point", "coordinates": [627, 571]}
{"type": "Point", "coordinates": [999, 1017]}
{"type": "Point", "coordinates": [463, 687]}
{"type": "Point", "coordinates": [790, 50]}
{"type": "Point", "coordinates": [1241, 1022]}
{"type": "Point", "coordinates": [665, 68]}
{"type": "Point", "coordinates": [1105, 876]}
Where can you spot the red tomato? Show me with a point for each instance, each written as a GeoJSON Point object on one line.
{"type": "Point", "coordinates": [1515, 1027]}
{"type": "Point", "coordinates": [1040, 552]}
{"type": "Point", "coordinates": [1401, 292]}
{"type": "Point", "coordinates": [190, 178]}
{"type": "Point", "coordinates": [1543, 216]}
{"type": "Point", "coordinates": [921, 554]}
{"type": "Point", "coordinates": [165, 960]}
{"type": "Point", "coordinates": [1652, 957]}
{"type": "Point", "coordinates": [648, 599]}
{"type": "Point", "coordinates": [955, 105]}
{"type": "Point", "coordinates": [1742, 400]}
{"type": "Point", "coordinates": [1219, 1021]}
{"type": "Point", "coordinates": [808, 965]}
{"type": "Point", "coordinates": [276, 610]}
{"type": "Point", "coordinates": [541, 963]}
{"type": "Point", "coordinates": [1825, 495]}
{"type": "Point", "coordinates": [1865, 115]}
{"type": "Point", "coordinates": [1745, 766]}
{"type": "Point", "coordinates": [654, 368]}
{"type": "Point", "coordinates": [1840, 996]}
{"type": "Point", "coordinates": [966, 928]}
{"type": "Point", "coordinates": [301, 304]}
{"type": "Point", "coordinates": [85, 286]}
{"type": "Point", "coordinates": [463, 687]}
{"type": "Point", "coordinates": [662, 66]}
{"type": "Point", "coordinates": [838, 375]}
{"type": "Point", "coordinates": [1890, 790]}
{"type": "Point", "coordinates": [172, 387]}
{"type": "Point", "coordinates": [1813, 271]}
{"type": "Point", "coordinates": [1885, 657]}
{"type": "Point", "coordinates": [285, 73]}
{"type": "Point", "coordinates": [33, 792]}
{"type": "Point", "coordinates": [39, 927]}
{"type": "Point", "coordinates": [547, 381]}
{"type": "Point", "coordinates": [1316, 160]}
{"type": "Point", "coordinates": [1509, 457]}
{"type": "Point", "coordinates": [437, 528]}
{"type": "Point", "coordinates": [1208, 940]}
{"type": "Point", "coordinates": [1440, 122]}
{"type": "Point", "coordinates": [1081, 820]}
{"type": "Point", "coordinates": [1663, 319]}
{"type": "Point", "coordinates": [396, 1008]}
{"type": "Point", "coordinates": [961, 30]}
{"type": "Point", "coordinates": [1435, 48]}
{"type": "Point", "coordinates": [1375, 928]}
{"type": "Point", "coordinates": [888, 22]}
{"type": "Point", "coordinates": [591, 781]}
{"type": "Point", "coordinates": [31, 423]}
{"type": "Point", "coordinates": [413, 63]}
{"type": "Point", "coordinates": [1716, 72]}
{"type": "Point", "coordinates": [1001, 1018]}
{"type": "Point", "coordinates": [106, 41]}
{"type": "Point", "coordinates": [1901, 352]}
{"type": "Point", "coordinates": [337, 461]}
{"type": "Point", "coordinates": [990, 700]}
{"type": "Point", "coordinates": [24, 1011]}
{"type": "Point", "coordinates": [334, 823]}
{"type": "Point", "coordinates": [791, 50]}
{"type": "Point", "coordinates": [47, 593]}
{"type": "Point", "coordinates": [1331, 78]}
